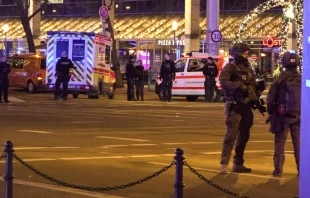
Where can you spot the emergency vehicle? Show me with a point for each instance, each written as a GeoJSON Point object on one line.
{"type": "Point", "coordinates": [28, 71]}
{"type": "Point", "coordinates": [189, 79]}
{"type": "Point", "coordinates": [90, 54]}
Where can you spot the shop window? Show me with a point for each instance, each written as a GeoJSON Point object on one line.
{"type": "Point", "coordinates": [195, 65]}
{"type": "Point", "coordinates": [180, 65]}
{"type": "Point", "coordinates": [18, 63]}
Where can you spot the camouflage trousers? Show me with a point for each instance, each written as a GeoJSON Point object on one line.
{"type": "Point", "coordinates": [239, 121]}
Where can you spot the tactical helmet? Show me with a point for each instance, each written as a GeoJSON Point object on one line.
{"type": "Point", "coordinates": [238, 48]}
{"type": "Point", "coordinates": [290, 60]}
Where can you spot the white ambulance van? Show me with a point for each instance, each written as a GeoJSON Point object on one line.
{"type": "Point", "coordinates": [189, 80]}
{"type": "Point", "coordinates": [90, 54]}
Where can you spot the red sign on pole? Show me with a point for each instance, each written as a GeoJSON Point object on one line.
{"type": "Point", "coordinates": [104, 12]}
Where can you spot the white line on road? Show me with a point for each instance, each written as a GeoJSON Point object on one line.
{"type": "Point", "coordinates": [141, 156]}
{"type": "Point", "coordinates": [217, 171]}
{"type": "Point", "coordinates": [87, 158]}
{"type": "Point", "coordinates": [112, 146]}
{"type": "Point", "coordinates": [246, 151]}
{"type": "Point", "coordinates": [118, 138]}
{"type": "Point", "coordinates": [176, 143]}
{"type": "Point", "coordinates": [84, 122]}
{"type": "Point", "coordinates": [38, 148]}
{"type": "Point", "coordinates": [32, 131]}
{"type": "Point", "coordinates": [62, 189]}
{"type": "Point", "coordinates": [143, 144]}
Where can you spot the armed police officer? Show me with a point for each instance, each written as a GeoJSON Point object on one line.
{"type": "Point", "coordinates": [210, 71]}
{"type": "Point", "coordinates": [284, 106]}
{"type": "Point", "coordinates": [167, 75]}
{"type": "Point", "coordinates": [5, 69]}
{"type": "Point", "coordinates": [63, 66]}
{"type": "Point", "coordinates": [238, 82]}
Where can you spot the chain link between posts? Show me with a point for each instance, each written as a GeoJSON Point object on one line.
{"type": "Point", "coordinates": [90, 188]}
{"type": "Point", "coordinates": [211, 183]}
{"type": "Point", "coordinates": [2, 156]}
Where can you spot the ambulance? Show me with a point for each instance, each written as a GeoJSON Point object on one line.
{"type": "Point", "coordinates": [189, 79]}
{"type": "Point", "coordinates": [91, 56]}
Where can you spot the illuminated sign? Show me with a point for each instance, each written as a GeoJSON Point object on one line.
{"type": "Point", "coordinates": [272, 42]}
{"type": "Point", "coordinates": [170, 42]}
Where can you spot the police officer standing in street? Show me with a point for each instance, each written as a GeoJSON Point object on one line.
{"type": "Point", "coordinates": [284, 105]}
{"type": "Point", "coordinates": [210, 71]}
{"type": "Point", "coordinates": [63, 66]}
{"type": "Point", "coordinates": [5, 69]}
{"type": "Point", "coordinates": [235, 80]}
{"type": "Point", "coordinates": [167, 75]}
{"type": "Point", "coordinates": [130, 75]}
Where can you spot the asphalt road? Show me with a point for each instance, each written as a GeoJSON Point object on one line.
{"type": "Point", "coordinates": [106, 143]}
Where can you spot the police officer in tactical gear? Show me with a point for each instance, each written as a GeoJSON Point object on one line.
{"type": "Point", "coordinates": [235, 79]}
{"type": "Point", "coordinates": [287, 121]}
{"type": "Point", "coordinates": [63, 66]}
{"type": "Point", "coordinates": [167, 75]}
{"type": "Point", "coordinates": [5, 69]}
{"type": "Point", "coordinates": [210, 71]}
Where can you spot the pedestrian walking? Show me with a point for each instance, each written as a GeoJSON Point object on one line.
{"type": "Point", "coordinates": [167, 75]}
{"type": "Point", "coordinates": [210, 71]}
{"type": "Point", "coordinates": [63, 66]}
{"type": "Point", "coordinates": [130, 75]}
{"type": "Point", "coordinates": [236, 78]}
{"type": "Point", "coordinates": [284, 107]}
{"type": "Point", "coordinates": [139, 80]}
{"type": "Point", "coordinates": [5, 69]}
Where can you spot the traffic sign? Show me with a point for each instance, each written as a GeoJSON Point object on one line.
{"type": "Point", "coordinates": [104, 12]}
{"type": "Point", "coordinates": [216, 36]}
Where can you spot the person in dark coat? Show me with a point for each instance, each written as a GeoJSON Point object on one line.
{"type": "Point", "coordinates": [167, 75]}
{"type": "Point", "coordinates": [210, 71]}
{"type": "Point", "coordinates": [139, 80]}
{"type": "Point", "coordinates": [5, 69]}
{"type": "Point", "coordinates": [130, 75]}
{"type": "Point", "coordinates": [63, 66]}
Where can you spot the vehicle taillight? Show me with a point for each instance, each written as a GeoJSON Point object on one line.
{"type": "Point", "coordinates": [39, 76]}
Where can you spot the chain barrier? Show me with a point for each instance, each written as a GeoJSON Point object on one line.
{"type": "Point", "coordinates": [213, 184]}
{"type": "Point", "coordinates": [2, 156]}
{"type": "Point", "coordinates": [90, 188]}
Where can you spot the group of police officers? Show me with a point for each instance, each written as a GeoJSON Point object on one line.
{"type": "Point", "coordinates": [241, 89]}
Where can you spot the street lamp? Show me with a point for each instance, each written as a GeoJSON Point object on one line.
{"type": "Point", "coordinates": [5, 30]}
{"type": "Point", "coordinates": [174, 28]}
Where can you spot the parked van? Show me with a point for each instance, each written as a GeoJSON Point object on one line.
{"type": "Point", "coordinates": [189, 79]}
{"type": "Point", "coordinates": [28, 71]}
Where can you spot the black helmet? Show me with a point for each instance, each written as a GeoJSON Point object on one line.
{"type": "Point", "coordinates": [290, 60]}
{"type": "Point", "coordinates": [238, 48]}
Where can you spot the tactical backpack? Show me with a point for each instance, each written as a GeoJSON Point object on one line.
{"type": "Point", "coordinates": [289, 96]}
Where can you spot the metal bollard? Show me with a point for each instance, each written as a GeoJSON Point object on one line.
{"type": "Point", "coordinates": [8, 174]}
{"type": "Point", "coordinates": [179, 184]}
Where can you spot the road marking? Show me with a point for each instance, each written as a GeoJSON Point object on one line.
{"type": "Point", "coordinates": [204, 142]}
{"type": "Point", "coordinates": [127, 139]}
{"type": "Point", "coordinates": [38, 148]}
{"type": "Point", "coordinates": [31, 131]}
{"type": "Point", "coordinates": [217, 171]}
{"type": "Point", "coordinates": [38, 160]}
{"type": "Point", "coordinates": [87, 158]}
{"type": "Point", "coordinates": [141, 156]}
{"type": "Point", "coordinates": [84, 122]}
{"type": "Point", "coordinates": [143, 144]}
{"type": "Point", "coordinates": [62, 189]}
{"type": "Point", "coordinates": [246, 151]}
{"type": "Point", "coordinates": [173, 143]}
{"type": "Point", "coordinates": [112, 146]}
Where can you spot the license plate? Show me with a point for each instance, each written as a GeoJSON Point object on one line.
{"type": "Point", "coordinates": [71, 86]}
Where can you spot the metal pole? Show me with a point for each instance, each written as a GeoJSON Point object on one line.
{"type": "Point", "coordinates": [5, 44]}
{"type": "Point", "coordinates": [179, 184]}
{"type": "Point", "coordinates": [174, 45]}
{"type": "Point", "coordinates": [8, 174]}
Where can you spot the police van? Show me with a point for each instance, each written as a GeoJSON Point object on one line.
{"type": "Point", "coordinates": [90, 54]}
{"type": "Point", "coordinates": [189, 79]}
